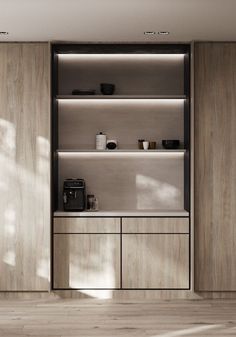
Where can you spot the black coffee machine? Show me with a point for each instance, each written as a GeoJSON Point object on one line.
{"type": "Point", "coordinates": [74, 195]}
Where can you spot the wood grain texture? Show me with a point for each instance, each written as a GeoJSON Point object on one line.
{"type": "Point", "coordinates": [155, 225]}
{"type": "Point", "coordinates": [215, 170]}
{"type": "Point", "coordinates": [155, 260]}
{"type": "Point", "coordinates": [24, 166]}
{"type": "Point", "coordinates": [86, 225]}
{"type": "Point", "coordinates": [86, 261]}
{"type": "Point", "coordinates": [103, 318]}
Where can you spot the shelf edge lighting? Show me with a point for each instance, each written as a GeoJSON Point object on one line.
{"type": "Point", "coordinates": [87, 57]}
{"type": "Point", "coordinates": [127, 100]}
{"type": "Point", "coordinates": [110, 154]}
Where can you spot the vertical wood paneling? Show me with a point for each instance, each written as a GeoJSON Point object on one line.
{"type": "Point", "coordinates": [215, 166]}
{"type": "Point", "coordinates": [24, 166]}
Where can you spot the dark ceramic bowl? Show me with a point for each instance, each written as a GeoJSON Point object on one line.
{"type": "Point", "coordinates": [107, 88]}
{"type": "Point", "coordinates": [170, 144]}
{"type": "Point", "coordinates": [83, 92]}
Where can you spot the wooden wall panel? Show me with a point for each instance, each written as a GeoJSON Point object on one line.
{"type": "Point", "coordinates": [215, 166]}
{"type": "Point", "coordinates": [24, 166]}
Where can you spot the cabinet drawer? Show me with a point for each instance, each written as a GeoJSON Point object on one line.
{"type": "Point", "coordinates": [86, 261]}
{"type": "Point", "coordinates": [155, 225]}
{"type": "Point", "coordinates": [159, 261]}
{"type": "Point", "coordinates": [86, 225]}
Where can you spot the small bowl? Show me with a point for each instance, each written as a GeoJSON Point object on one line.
{"type": "Point", "coordinates": [107, 88]}
{"type": "Point", "coordinates": [83, 92]}
{"type": "Point", "coordinates": [170, 144]}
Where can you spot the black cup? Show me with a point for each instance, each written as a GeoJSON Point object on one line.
{"type": "Point", "coordinates": [107, 88]}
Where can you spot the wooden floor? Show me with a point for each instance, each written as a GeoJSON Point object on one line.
{"type": "Point", "coordinates": [103, 318]}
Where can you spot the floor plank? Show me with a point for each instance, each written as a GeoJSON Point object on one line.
{"type": "Point", "coordinates": [87, 318]}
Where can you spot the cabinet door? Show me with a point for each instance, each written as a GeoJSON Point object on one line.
{"type": "Point", "coordinates": [155, 261]}
{"type": "Point", "coordinates": [24, 166]}
{"type": "Point", "coordinates": [215, 166]}
{"type": "Point", "coordinates": [86, 261]}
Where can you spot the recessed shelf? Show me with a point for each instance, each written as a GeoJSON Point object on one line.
{"type": "Point", "coordinates": [112, 97]}
{"type": "Point", "coordinates": [119, 213]}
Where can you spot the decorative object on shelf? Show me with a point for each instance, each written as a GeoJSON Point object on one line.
{"type": "Point", "coordinates": [92, 203]}
{"type": "Point", "coordinates": [101, 141]}
{"type": "Point", "coordinates": [83, 92]}
{"type": "Point", "coordinates": [112, 144]}
{"type": "Point", "coordinates": [152, 145]}
{"type": "Point", "coordinates": [140, 144]}
{"type": "Point", "coordinates": [145, 145]}
{"type": "Point", "coordinates": [107, 88]}
{"type": "Point", "coordinates": [171, 144]}
{"type": "Point", "coordinates": [74, 195]}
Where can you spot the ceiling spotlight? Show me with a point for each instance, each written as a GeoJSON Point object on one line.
{"type": "Point", "coordinates": [163, 32]}
{"type": "Point", "coordinates": [4, 33]}
{"type": "Point", "coordinates": [149, 32]}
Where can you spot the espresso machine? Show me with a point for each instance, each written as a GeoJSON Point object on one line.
{"type": "Point", "coordinates": [74, 195]}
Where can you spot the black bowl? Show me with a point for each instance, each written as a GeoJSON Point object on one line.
{"type": "Point", "coordinates": [83, 92]}
{"type": "Point", "coordinates": [107, 88]}
{"type": "Point", "coordinates": [170, 144]}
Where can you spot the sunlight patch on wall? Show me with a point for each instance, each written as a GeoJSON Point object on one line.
{"type": "Point", "coordinates": [153, 194]}
{"type": "Point", "coordinates": [7, 138]}
{"type": "Point", "coordinates": [43, 267]}
{"type": "Point", "coordinates": [10, 258]}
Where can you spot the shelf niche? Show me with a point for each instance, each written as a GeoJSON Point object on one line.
{"type": "Point", "coordinates": [133, 74]}
{"type": "Point", "coordinates": [151, 101]}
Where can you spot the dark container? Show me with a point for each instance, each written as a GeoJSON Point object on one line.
{"type": "Point", "coordinates": [170, 144]}
{"type": "Point", "coordinates": [107, 88]}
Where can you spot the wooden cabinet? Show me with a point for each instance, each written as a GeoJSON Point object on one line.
{"type": "Point", "coordinates": [154, 253]}
{"type": "Point", "coordinates": [155, 261]}
{"type": "Point", "coordinates": [215, 166]}
{"type": "Point", "coordinates": [86, 261]}
{"type": "Point", "coordinates": [24, 166]}
{"type": "Point", "coordinates": [94, 253]}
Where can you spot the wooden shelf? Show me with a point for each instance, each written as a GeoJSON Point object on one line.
{"type": "Point", "coordinates": [120, 213]}
{"type": "Point", "coordinates": [110, 97]}
{"type": "Point", "coordinates": [158, 151]}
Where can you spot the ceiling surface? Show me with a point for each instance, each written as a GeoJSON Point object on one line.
{"type": "Point", "coordinates": [117, 20]}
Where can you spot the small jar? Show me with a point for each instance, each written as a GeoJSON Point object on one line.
{"type": "Point", "coordinates": [90, 201]}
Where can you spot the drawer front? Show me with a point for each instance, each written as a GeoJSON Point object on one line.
{"type": "Point", "coordinates": [86, 225]}
{"type": "Point", "coordinates": [155, 225]}
{"type": "Point", "coordinates": [86, 261]}
{"type": "Point", "coordinates": [155, 261]}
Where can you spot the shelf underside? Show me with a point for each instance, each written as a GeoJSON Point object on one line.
{"type": "Point", "coordinates": [162, 97]}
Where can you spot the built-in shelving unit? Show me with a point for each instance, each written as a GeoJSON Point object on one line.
{"type": "Point", "coordinates": [143, 195]}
